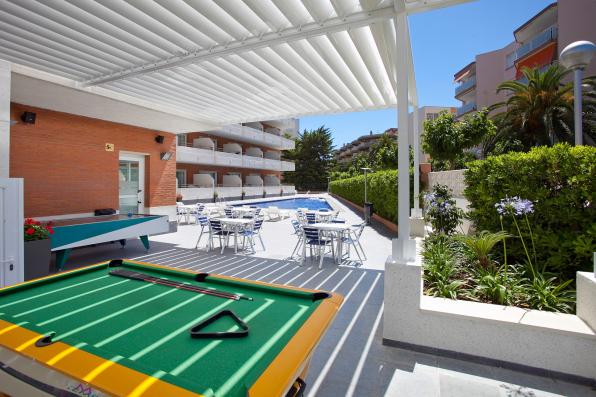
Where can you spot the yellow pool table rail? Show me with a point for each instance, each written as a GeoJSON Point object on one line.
{"type": "Point", "coordinates": [115, 379]}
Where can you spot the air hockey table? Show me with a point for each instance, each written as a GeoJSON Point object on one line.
{"type": "Point", "coordinates": [128, 328]}
{"type": "Point", "coordinates": [80, 232]}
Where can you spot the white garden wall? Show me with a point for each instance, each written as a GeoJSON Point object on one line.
{"type": "Point", "coordinates": [453, 179]}
{"type": "Point", "coordinates": [555, 342]}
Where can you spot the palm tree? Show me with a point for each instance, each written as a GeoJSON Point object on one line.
{"type": "Point", "coordinates": [540, 110]}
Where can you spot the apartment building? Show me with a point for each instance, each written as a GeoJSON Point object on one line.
{"type": "Point", "coordinates": [537, 44]}
{"type": "Point", "coordinates": [235, 161]}
{"type": "Point", "coordinates": [364, 143]}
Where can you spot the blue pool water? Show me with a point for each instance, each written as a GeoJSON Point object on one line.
{"type": "Point", "coordinates": [293, 204]}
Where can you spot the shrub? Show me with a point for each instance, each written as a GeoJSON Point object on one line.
{"type": "Point", "coordinates": [561, 183]}
{"type": "Point", "coordinates": [382, 191]}
{"type": "Point", "coordinates": [441, 210]}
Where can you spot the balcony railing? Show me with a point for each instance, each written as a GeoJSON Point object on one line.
{"type": "Point", "coordinates": [193, 155]}
{"type": "Point", "coordinates": [465, 86]}
{"type": "Point", "coordinates": [468, 107]}
{"type": "Point", "coordinates": [536, 42]}
{"type": "Point", "coordinates": [190, 192]}
{"type": "Point", "coordinates": [249, 134]}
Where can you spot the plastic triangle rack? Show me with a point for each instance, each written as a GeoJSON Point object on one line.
{"type": "Point", "coordinates": [195, 331]}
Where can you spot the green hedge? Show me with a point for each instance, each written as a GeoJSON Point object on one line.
{"type": "Point", "coordinates": [382, 191]}
{"type": "Point", "coordinates": [561, 181]}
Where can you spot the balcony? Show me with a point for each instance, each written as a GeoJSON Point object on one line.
{"type": "Point", "coordinates": [535, 43]}
{"type": "Point", "coordinates": [244, 133]}
{"type": "Point", "coordinates": [191, 193]}
{"type": "Point", "coordinates": [193, 155]}
{"type": "Point", "coordinates": [468, 107]}
{"type": "Point", "coordinates": [465, 86]}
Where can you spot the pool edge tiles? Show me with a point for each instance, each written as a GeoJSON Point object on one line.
{"type": "Point", "coordinates": [152, 377]}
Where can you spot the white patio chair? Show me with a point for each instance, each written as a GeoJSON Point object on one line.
{"type": "Point", "coordinates": [352, 238]}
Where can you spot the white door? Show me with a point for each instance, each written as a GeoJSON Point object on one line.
{"type": "Point", "coordinates": [131, 175]}
{"type": "Point", "coordinates": [11, 231]}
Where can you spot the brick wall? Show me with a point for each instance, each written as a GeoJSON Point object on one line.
{"type": "Point", "coordinates": [67, 170]}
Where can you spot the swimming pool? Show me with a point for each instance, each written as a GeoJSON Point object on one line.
{"type": "Point", "coordinates": [293, 204]}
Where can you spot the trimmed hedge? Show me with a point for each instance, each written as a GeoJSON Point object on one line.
{"type": "Point", "coordinates": [382, 191]}
{"type": "Point", "coordinates": [561, 181]}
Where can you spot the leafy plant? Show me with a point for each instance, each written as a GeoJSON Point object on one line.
{"type": "Point", "coordinates": [441, 210]}
{"type": "Point", "coordinates": [561, 183]}
{"type": "Point", "coordinates": [482, 244]}
{"type": "Point", "coordinates": [544, 293]}
{"type": "Point", "coordinates": [446, 140]}
{"type": "Point", "coordinates": [440, 269]}
{"type": "Point", "coordinates": [500, 285]}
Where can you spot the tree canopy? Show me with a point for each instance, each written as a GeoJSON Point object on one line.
{"type": "Point", "coordinates": [446, 139]}
{"type": "Point", "coordinates": [313, 156]}
{"type": "Point", "coordinates": [539, 110]}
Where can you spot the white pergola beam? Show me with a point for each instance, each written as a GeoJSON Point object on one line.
{"type": "Point", "coordinates": [429, 5]}
{"type": "Point", "coordinates": [328, 26]}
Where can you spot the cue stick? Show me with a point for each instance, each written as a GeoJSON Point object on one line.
{"type": "Point", "coordinates": [175, 284]}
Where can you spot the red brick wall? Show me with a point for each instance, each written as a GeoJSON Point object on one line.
{"type": "Point", "coordinates": [67, 170]}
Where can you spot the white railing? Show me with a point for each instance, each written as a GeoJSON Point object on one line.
{"type": "Point", "coordinates": [289, 189]}
{"type": "Point", "coordinates": [538, 41]}
{"type": "Point", "coordinates": [276, 189]}
{"type": "Point", "coordinates": [226, 192]}
{"type": "Point", "coordinates": [288, 166]}
{"type": "Point", "coordinates": [190, 192]}
{"type": "Point", "coordinates": [194, 155]}
{"type": "Point", "coordinates": [465, 86]}
{"type": "Point", "coordinates": [251, 191]}
{"type": "Point", "coordinates": [250, 134]}
{"type": "Point", "coordinates": [468, 107]}
{"type": "Point", "coordinates": [196, 193]}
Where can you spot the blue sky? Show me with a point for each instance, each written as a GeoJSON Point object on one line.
{"type": "Point", "coordinates": [443, 41]}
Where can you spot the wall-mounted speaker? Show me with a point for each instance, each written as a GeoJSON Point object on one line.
{"type": "Point", "coordinates": [159, 139]}
{"type": "Point", "coordinates": [28, 117]}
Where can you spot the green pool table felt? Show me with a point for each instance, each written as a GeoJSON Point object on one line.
{"type": "Point", "coordinates": [146, 326]}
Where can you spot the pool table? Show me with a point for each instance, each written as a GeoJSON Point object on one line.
{"type": "Point", "coordinates": [128, 328]}
{"type": "Point", "coordinates": [80, 232]}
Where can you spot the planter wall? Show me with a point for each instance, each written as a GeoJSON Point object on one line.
{"type": "Point", "coordinates": [37, 258]}
{"type": "Point", "coordinates": [553, 344]}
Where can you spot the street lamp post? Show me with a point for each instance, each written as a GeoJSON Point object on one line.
{"type": "Point", "coordinates": [576, 56]}
{"type": "Point", "coordinates": [367, 205]}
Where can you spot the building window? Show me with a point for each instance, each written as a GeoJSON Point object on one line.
{"type": "Point", "coordinates": [432, 116]}
{"type": "Point", "coordinates": [181, 177]}
{"type": "Point", "coordinates": [181, 139]}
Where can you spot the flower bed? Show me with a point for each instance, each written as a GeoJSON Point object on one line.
{"type": "Point", "coordinates": [478, 267]}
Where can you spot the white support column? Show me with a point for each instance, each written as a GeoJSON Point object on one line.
{"type": "Point", "coordinates": [403, 248]}
{"type": "Point", "coordinates": [416, 147]}
{"type": "Point", "coordinates": [4, 119]}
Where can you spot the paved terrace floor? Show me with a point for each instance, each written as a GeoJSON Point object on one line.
{"type": "Point", "coordinates": [350, 360]}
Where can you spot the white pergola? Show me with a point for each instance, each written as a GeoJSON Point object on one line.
{"type": "Point", "coordinates": [228, 61]}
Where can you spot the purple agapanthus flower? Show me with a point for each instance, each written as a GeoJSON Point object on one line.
{"type": "Point", "coordinates": [515, 206]}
